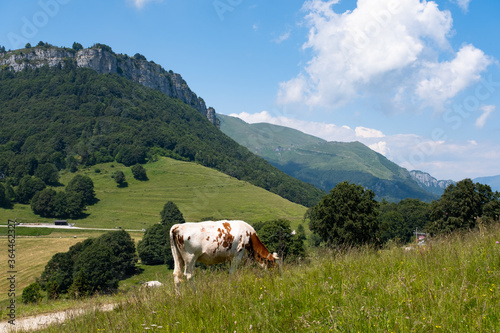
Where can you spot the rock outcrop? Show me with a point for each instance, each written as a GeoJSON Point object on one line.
{"type": "Point", "coordinates": [103, 60]}
{"type": "Point", "coordinates": [430, 183]}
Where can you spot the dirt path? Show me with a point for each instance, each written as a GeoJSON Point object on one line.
{"type": "Point", "coordinates": [34, 323]}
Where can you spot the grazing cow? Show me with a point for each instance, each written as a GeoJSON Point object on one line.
{"type": "Point", "coordinates": [215, 242]}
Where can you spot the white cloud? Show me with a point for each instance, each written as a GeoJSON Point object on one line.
{"type": "Point", "coordinates": [381, 48]}
{"type": "Point", "coordinates": [464, 4]}
{"type": "Point", "coordinates": [487, 111]}
{"type": "Point", "coordinates": [280, 39]}
{"type": "Point", "coordinates": [444, 80]}
{"type": "Point", "coordinates": [380, 147]}
{"type": "Point", "coordinates": [367, 133]}
{"type": "Point", "coordinates": [141, 3]}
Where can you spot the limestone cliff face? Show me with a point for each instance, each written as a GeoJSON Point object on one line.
{"type": "Point", "coordinates": [105, 61]}
{"type": "Point", "coordinates": [430, 183]}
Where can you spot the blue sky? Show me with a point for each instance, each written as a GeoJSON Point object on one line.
{"type": "Point", "coordinates": [418, 81]}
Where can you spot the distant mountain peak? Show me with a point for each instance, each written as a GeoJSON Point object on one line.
{"type": "Point", "coordinates": [103, 60]}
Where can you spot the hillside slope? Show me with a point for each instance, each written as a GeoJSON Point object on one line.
{"type": "Point", "coordinates": [198, 191]}
{"type": "Point", "coordinates": [323, 163]}
{"type": "Point", "coordinates": [73, 117]}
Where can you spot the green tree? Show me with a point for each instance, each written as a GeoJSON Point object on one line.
{"type": "Point", "coordinates": [278, 237]}
{"type": "Point", "coordinates": [93, 271]}
{"type": "Point", "coordinates": [28, 186]}
{"type": "Point", "coordinates": [48, 173]}
{"type": "Point", "coordinates": [460, 206]}
{"type": "Point", "coordinates": [154, 248]}
{"type": "Point", "coordinates": [123, 250]}
{"type": "Point", "coordinates": [399, 220]}
{"type": "Point", "coordinates": [75, 205]}
{"type": "Point", "coordinates": [119, 178]}
{"type": "Point", "coordinates": [347, 215]}
{"type": "Point", "coordinates": [77, 46]}
{"type": "Point", "coordinates": [171, 215]}
{"type": "Point", "coordinates": [43, 203]}
{"type": "Point", "coordinates": [4, 200]}
{"type": "Point", "coordinates": [83, 185]}
{"type": "Point", "coordinates": [57, 276]}
{"type": "Point", "coordinates": [32, 294]}
{"type": "Point", "coordinates": [139, 172]}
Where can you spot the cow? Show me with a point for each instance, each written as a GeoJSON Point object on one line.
{"type": "Point", "coordinates": [212, 243]}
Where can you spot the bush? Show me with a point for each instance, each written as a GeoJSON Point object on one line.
{"type": "Point", "coordinates": [139, 172]}
{"type": "Point", "coordinates": [32, 294]}
{"type": "Point", "coordinates": [119, 178]}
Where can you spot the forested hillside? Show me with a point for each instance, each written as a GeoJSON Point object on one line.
{"type": "Point", "coordinates": [72, 117]}
{"type": "Point", "coordinates": [322, 163]}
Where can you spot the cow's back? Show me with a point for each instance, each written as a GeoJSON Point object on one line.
{"type": "Point", "coordinates": [212, 242]}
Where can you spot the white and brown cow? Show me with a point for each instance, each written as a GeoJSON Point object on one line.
{"type": "Point", "coordinates": [212, 242]}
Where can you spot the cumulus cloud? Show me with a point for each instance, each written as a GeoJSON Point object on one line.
{"type": "Point", "coordinates": [442, 81]}
{"type": "Point", "coordinates": [395, 45]}
{"type": "Point", "coordinates": [487, 111]}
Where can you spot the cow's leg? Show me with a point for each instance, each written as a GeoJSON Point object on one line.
{"type": "Point", "coordinates": [178, 266]}
{"type": "Point", "coordinates": [235, 262]}
{"type": "Point", "coordinates": [189, 270]}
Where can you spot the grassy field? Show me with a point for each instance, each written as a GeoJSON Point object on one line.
{"type": "Point", "coordinates": [451, 285]}
{"type": "Point", "coordinates": [199, 192]}
{"type": "Point", "coordinates": [33, 249]}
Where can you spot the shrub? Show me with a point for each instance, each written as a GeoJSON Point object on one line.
{"type": "Point", "coordinates": [139, 172]}
{"type": "Point", "coordinates": [32, 294]}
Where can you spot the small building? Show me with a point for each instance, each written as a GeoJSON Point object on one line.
{"type": "Point", "coordinates": [61, 222]}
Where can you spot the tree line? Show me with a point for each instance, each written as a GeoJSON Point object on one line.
{"type": "Point", "coordinates": [349, 215]}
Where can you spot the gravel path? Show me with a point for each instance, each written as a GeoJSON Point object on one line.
{"type": "Point", "coordinates": [34, 323]}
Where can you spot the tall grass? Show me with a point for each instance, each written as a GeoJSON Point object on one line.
{"type": "Point", "coordinates": [451, 285]}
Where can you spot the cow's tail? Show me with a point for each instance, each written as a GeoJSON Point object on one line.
{"type": "Point", "coordinates": [176, 254]}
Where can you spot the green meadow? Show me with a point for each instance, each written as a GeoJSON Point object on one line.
{"type": "Point", "coordinates": [199, 192]}
{"type": "Point", "coordinates": [450, 285]}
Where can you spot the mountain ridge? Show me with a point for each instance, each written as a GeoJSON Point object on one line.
{"type": "Point", "coordinates": [323, 163]}
{"type": "Point", "coordinates": [103, 60]}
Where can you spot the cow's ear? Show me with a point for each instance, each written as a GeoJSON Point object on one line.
{"type": "Point", "coordinates": [275, 256]}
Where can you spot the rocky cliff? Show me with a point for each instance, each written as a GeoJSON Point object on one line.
{"type": "Point", "coordinates": [103, 60]}
{"type": "Point", "coordinates": [430, 183]}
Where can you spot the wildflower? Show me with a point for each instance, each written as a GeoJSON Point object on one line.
{"type": "Point", "coordinates": [497, 242]}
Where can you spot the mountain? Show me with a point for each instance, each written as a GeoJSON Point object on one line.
{"type": "Point", "coordinates": [429, 183]}
{"type": "Point", "coordinates": [493, 181]}
{"type": "Point", "coordinates": [322, 163]}
{"type": "Point", "coordinates": [103, 60]}
{"type": "Point", "coordinates": [71, 116]}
